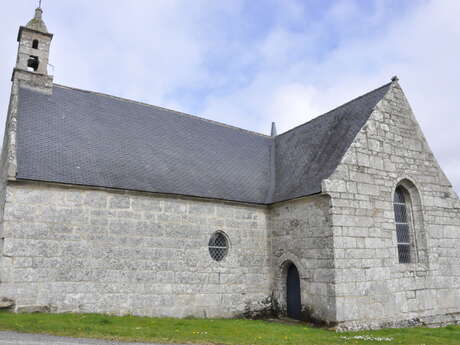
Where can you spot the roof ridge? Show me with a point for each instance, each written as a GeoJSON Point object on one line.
{"type": "Point", "coordinates": [165, 109]}
{"type": "Point", "coordinates": [336, 108]}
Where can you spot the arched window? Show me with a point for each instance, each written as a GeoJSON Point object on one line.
{"type": "Point", "coordinates": [402, 208]}
{"type": "Point", "coordinates": [410, 227]}
{"type": "Point", "coordinates": [35, 44]}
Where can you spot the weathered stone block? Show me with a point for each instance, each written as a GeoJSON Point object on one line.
{"type": "Point", "coordinates": [6, 303]}
{"type": "Point", "coordinates": [148, 204]}
{"type": "Point", "coordinates": [119, 201]}
{"type": "Point", "coordinates": [368, 189]}
{"type": "Point", "coordinates": [33, 309]}
{"type": "Point", "coordinates": [95, 199]}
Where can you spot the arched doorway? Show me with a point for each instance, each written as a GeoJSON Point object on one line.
{"type": "Point", "coordinates": [293, 293]}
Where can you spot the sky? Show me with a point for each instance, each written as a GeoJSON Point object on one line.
{"type": "Point", "coordinates": [250, 62]}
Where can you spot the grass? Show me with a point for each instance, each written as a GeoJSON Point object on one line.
{"type": "Point", "coordinates": [212, 331]}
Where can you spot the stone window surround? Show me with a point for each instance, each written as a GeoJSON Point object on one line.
{"type": "Point", "coordinates": [227, 245]}
{"type": "Point", "coordinates": [419, 249]}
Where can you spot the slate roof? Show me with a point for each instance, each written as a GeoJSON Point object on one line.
{"type": "Point", "coordinates": [310, 153]}
{"type": "Point", "coordinates": [84, 138]}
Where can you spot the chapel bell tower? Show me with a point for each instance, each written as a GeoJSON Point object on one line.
{"type": "Point", "coordinates": [33, 54]}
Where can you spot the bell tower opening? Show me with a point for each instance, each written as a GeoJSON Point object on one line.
{"type": "Point", "coordinates": [33, 63]}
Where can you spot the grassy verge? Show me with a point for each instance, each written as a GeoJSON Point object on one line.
{"type": "Point", "coordinates": [214, 331]}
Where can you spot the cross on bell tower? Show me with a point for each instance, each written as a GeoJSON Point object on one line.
{"type": "Point", "coordinates": [33, 53]}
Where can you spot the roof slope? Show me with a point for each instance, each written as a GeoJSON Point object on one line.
{"type": "Point", "coordinates": [83, 138]}
{"type": "Point", "coordinates": [310, 153]}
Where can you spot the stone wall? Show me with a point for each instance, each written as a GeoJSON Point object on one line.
{"type": "Point", "coordinates": [78, 250]}
{"type": "Point", "coordinates": [8, 153]}
{"type": "Point", "coordinates": [301, 234]}
{"type": "Point", "coordinates": [373, 289]}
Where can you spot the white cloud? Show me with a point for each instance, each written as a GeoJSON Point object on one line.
{"type": "Point", "coordinates": [419, 46]}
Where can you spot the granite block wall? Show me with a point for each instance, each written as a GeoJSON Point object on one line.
{"type": "Point", "coordinates": [301, 234]}
{"type": "Point", "coordinates": [373, 289]}
{"type": "Point", "coordinates": [79, 250]}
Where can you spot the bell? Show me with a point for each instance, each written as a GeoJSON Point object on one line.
{"type": "Point", "coordinates": [33, 62]}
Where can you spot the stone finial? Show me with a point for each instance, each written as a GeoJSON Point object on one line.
{"type": "Point", "coordinates": [273, 132]}
{"type": "Point", "coordinates": [395, 79]}
{"type": "Point", "coordinates": [37, 23]}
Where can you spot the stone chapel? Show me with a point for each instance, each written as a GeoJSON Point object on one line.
{"type": "Point", "coordinates": [110, 205]}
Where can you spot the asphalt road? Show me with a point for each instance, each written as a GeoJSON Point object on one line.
{"type": "Point", "coordinates": [12, 338]}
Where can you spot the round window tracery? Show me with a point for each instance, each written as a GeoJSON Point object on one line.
{"type": "Point", "coordinates": [218, 246]}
